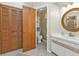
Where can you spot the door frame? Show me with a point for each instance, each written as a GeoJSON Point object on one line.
{"type": "Point", "coordinates": [46, 20]}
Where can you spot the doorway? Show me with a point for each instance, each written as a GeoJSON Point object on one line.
{"type": "Point", "coordinates": [42, 25]}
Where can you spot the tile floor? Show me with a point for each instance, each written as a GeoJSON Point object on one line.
{"type": "Point", "coordinates": [39, 51]}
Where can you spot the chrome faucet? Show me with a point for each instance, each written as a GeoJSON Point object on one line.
{"type": "Point", "coordinates": [71, 35]}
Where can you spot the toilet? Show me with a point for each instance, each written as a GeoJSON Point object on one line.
{"type": "Point", "coordinates": [39, 37]}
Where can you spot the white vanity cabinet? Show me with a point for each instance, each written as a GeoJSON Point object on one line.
{"type": "Point", "coordinates": [62, 51]}
{"type": "Point", "coordinates": [57, 49]}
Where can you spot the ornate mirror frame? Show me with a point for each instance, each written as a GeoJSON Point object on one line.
{"type": "Point", "coordinates": [63, 18]}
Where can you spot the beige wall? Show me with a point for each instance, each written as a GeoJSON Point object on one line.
{"type": "Point", "coordinates": [53, 22]}
{"type": "Point", "coordinates": [53, 19]}
{"type": "Point", "coordinates": [14, 4]}
{"type": "Point", "coordinates": [55, 14]}
{"type": "Point", "coordinates": [65, 9]}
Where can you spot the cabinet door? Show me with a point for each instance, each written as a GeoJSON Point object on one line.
{"type": "Point", "coordinates": [20, 28]}
{"type": "Point", "coordinates": [59, 50]}
{"type": "Point", "coordinates": [5, 29]}
{"type": "Point", "coordinates": [5, 19]}
{"type": "Point", "coordinates": [6, 42]}
{"type": "Point", "coordinates": [0, 30]}
{"type": "Point", "coordinates": [20, 39]}
{"type": "Point", "coordinates": [14, 40]}
{"type": "Point", "coordinates": [20, 21]}
{"type": "Point", "coordinates": [70, 53]}
{"type": "Point", "coordinates": [32, 27]}
{"type": "Point", "coordinates": [0, 43]}
{"type": "Point", "coordinates": [10, 29]}
{"type": "Point", "coordinates": [16, 28]}
{"type": "Point", "coordinates": [14, 20]}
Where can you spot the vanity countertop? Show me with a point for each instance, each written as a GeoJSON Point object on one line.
{"type": "Point", "coordinates": [74, 40]}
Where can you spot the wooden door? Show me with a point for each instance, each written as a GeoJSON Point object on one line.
{"type": "Point", "coordinates": [5, 28]}
{"type": "Point", "coordinates": [10, 28]}
{"type": "Point", "coordinates": [28, 28]}
{"type": "Point", "coordinates": [0, 31]}
{"type": "Point", "coordinates": [16, 28]}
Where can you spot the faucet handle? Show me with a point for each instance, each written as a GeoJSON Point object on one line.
{"type": "Point", "coordinates": [71, 35]}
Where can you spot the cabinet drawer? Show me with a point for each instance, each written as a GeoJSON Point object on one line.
{"type": "Point", "coordinates": [57, 49]}
{"type": "Point", "coordinates": [62, 51]}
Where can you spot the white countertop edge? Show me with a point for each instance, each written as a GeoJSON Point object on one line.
{"type": "Point", "coordinates": [61, 37]}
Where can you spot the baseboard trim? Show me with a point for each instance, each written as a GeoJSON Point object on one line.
{"type": "Point", "coordinates": [54, 53]}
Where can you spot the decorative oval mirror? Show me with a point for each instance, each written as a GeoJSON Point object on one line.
{"type": "Point", "coordinates": [70, 20]}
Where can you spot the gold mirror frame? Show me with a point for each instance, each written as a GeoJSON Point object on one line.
{"type": "Point", "coordinates": [62, 20]}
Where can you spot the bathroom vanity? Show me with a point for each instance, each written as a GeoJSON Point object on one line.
{"type": "Point", "coordinates": [64, 45]}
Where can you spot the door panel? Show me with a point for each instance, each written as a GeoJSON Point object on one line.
{"type": "Point", "coordinates": [14, 29]}
{"type": "Point", "coordinates": [15, 35]}
{"type": "Point", "coordinates": [14, 21]}
{"type": "Point", "coordinates": [14, 40]}
{"type": "Point", "coordinates": [0, 43]}
{"type": "Point", "coordinates": [0, 30]}
{"type": "Point", "coordinates": [5, 29]}
{"type": "Point", "coordinates": [20, 39]}
{"type": "Point", "coordinates": [26, 42]}
{"type": "Point", "coordinates": [10, 22]}
{"type": "Point", "coordinates": [6, 42]}
{"type": "Point", "coordinates": [20, 28]}
{"type": "Point", "coordinates": [5, 19]}
{"type": "Point", "coordinates": [28, 28]}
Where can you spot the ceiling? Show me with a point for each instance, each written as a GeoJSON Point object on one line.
{"type": "Point", "coordinates": [38, 4]}
{"type": "Point", "coordinates": [63, 4]}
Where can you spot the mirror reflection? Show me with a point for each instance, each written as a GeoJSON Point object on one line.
{"type": "Point", "coordinates": [70, 20]}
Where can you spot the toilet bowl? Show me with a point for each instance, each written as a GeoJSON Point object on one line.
{"type": "Point", "coordinates": [39, 37]}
